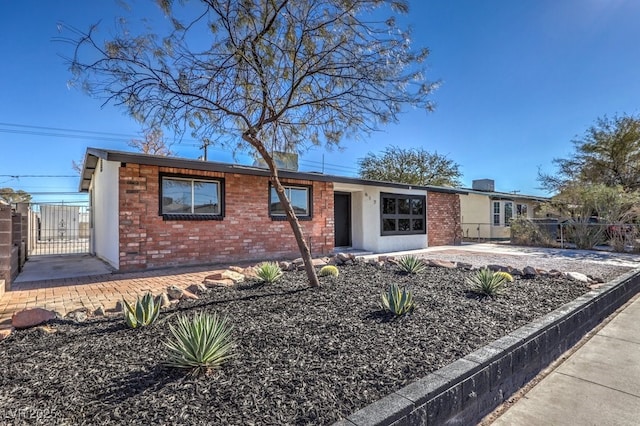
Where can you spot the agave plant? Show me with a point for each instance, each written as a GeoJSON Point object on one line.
{"type": "Point", "coordinates": [269, 272]}
{"type": "Point", "coordinates": [328, 270]}
{"type": "Point", "coordinates": [397, 301]}
{"type": "Point", "coordinates": [145, 311]}
{"type": "Point", "coordinates": [487, 282]}
{"type": "Point", "coordinates": [411, 264]}
{"type": "Point", "coordinates": [200, 343]}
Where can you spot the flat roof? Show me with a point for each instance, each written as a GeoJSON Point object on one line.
{"type": "Point", "coordinates": [94, 154]}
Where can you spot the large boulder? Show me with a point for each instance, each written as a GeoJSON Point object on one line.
{"type": "Point", "coordinates": [31, 317]}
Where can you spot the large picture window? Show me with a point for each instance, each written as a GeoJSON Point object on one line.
{"type": "Point", "coordinates": [402, 214]}
{"type": "Point", "coordinates": [300, 198]}
{"type": "Point", "coordinates": [191, 198]}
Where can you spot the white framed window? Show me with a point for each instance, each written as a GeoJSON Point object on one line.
{"type": "Point", "coordinates": [496, 213]}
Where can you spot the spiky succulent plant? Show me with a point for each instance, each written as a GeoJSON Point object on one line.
{"type": "Point", "coordinates": [397, 301]}
{"type": "Point", "coordinates": [411, 264]}
{"type": "Point", "coordinates": [144, 312]}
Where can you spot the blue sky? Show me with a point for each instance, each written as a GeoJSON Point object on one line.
{"type": "Point", "coordinates": [520, 80]}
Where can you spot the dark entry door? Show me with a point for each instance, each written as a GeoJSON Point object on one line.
{"type": "Point", "coordinates": [342, 218]}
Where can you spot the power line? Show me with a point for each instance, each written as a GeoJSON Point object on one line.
{"type": "Point", "coordinates": [59, 132]}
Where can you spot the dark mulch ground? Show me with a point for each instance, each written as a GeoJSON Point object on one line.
{"type": "Point", "coordinates": [303, 356]}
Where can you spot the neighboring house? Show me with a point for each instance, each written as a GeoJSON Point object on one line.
{"type": "Point", "coordinates": [150, 211]}
{"type": "Point", "coordinates": [486, 214]}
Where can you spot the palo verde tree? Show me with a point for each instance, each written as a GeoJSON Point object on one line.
{"type": "Point", "coordinates": [279, 75]}
{"type": "Point", "coordinates": [608, 154]}
{"type": "Point", "coordinates": [413, 166]}
{"type": "Point", "coordinates": [153, 143]}
{"type": "Point", "coordinates": [9, 195]}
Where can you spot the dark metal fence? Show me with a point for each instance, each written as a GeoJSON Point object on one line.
{"type": "Point", "coordinates": [58, 229]}
{"type": "Point", "coordinates": [583, 234]}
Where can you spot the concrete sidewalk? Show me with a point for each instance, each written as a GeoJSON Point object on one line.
{"type": "Point", "coordinates": [598, 384]}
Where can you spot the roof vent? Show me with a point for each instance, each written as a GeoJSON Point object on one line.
{"type": "Point", "coordinates": [487, 185]}
{"type": "Point", "coordinates": [283, 160]}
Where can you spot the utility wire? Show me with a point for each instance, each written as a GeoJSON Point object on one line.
{"type": "Point", "coordinates": [122, 137]}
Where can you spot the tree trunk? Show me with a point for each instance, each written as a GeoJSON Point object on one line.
{"type": "Point", "coordinates": [291, 215]}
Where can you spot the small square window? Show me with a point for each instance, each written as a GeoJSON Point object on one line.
{"type": "Point", "coordinates": [298, 196]}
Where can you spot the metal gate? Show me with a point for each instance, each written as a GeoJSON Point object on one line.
{"type": "Point", "coordinates": [59, 228]}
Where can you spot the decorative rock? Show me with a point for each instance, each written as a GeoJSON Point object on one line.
{"type": "Point", "coordinates": [319, 262]}
{"type": "Point", "coordinates": [186, 294]}
{"type": "Point", "coordinates": [298, 261]}
{"type": "Point", "coordinates": [441, 263]}
{"type": "Point", "coordinates": [31, 317]}
{"type": "Point", "coordinates": [198, 288]}
{"type": "Point", "coordinates": [237, 269]}
{"type": "Point", "coordinates": [555, 273]}
{"type": "Point", "coordinates": [392, 261]}
{"type": "Point", "coordinates": [165, 302]}
{"type": "Point", "coordinates": [78, 315]}
{"type": "Point", "coordinates": [529, 271]}
{"type": "Point", "coordinates": [515, 272]}
{"type": "Point", "coordinates": [498, 268]}
{"type": "Point", "coordinates": [119, 306]}
{"type": "Point", "coordinates": [577, 276]}
{"type": "Point", "coordinates": [383, 258]}
{"type": "Point", "coordinates": [224, 275]}
{"type": "Point", "coordinates": [465, 266]}
{"type": "Point", "coordinates": [597, 280]}
{"type": "Point", "coordinates": [343, 257]}
{"type": "Point", "coordinates": [99, 312]}
{"type": "Point", "coordinates": [218, 283]}
{"type": "Point", "coordinates": [6, 332]}
{"type": "Point", "coordinates": [595, 286]}
{"type": "Point", "coordinates": [284, 265]}
{"type": "Point", "coordinates": [175, 292]}
{"type": "Point", "coordinates": [250, 272]}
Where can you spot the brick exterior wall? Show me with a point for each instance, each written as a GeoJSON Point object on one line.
{"type": "Point", "coordinates": [246, 232]}
{"type": "Point", "coordinates": [443, 219]}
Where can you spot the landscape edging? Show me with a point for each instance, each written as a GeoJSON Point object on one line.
{"type": "Point", "coordinates": [470, 388]}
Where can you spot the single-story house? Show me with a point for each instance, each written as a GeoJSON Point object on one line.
{"type": "Point", "coordinates": [486, 214]}
{"type": "Point", "coordinates": [149, 211]}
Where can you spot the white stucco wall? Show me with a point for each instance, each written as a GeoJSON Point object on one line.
{"type": "Point", "coordinates": [105, 232]}
{"type": "Point", "coordinates": [365, 220]}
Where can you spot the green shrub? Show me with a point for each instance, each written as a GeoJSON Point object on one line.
{"type": "Point", "coordinates": [397, 301]}
{"type": "Point", "coordinates": [145, 311]}
{"type": "Point", "coordinates": [487, 283]}
{"type": "Point", "coordinates": [411, 264]}
{"type": "Point", "coordinates": [269, 272]}
{"type": "Point", "coordinates": [328, 270]}
{"type": "Point", "coordinates": [200, 343]}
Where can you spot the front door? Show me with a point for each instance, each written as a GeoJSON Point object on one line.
{"type": "Point", "coordinates": [342, 218]}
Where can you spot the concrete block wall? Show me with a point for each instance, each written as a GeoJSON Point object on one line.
{"type": "Point", "coordinates": [472, 387]}
{"type": "Point", "coordinates": [245, 233]}
{"type": "Point", "coordinates": [7, 254]}
{"type": "Point", "coordinates": [443, 219]}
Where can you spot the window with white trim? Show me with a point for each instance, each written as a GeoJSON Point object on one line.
{"type": "Point", "coordinates": [496, 213]}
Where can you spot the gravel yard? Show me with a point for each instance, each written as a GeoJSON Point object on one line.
{"type": "Point", "coordinates": [302, 356]}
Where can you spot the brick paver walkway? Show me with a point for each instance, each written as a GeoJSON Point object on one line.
{"type": "Point", "coordinates": [67, 294]}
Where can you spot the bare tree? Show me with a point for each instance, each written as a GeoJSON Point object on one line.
{"type": "Point", "coordinates": [153, 143]}
{"type": "Point", "coordinates": [282, 75]}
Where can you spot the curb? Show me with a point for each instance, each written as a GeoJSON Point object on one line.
{"type": "Point", "coordinates": [472, 387]}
